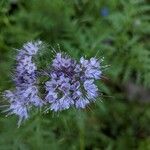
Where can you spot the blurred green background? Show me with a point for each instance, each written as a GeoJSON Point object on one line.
{"type": "Point", "coordinates": [119, 31]}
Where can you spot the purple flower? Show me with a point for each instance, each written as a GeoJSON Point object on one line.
{"type": "Point", "coordinates": [63, 103]}
{"type": "Point", "coordinates": [91, 68]}
{"type": "Point", "coordinates": [32, 48]}
{"type": "Point", "coordinates": [72, 82]}
{"type": "Point", "coordinates": [91, 88]}
{"type": "Point", "coordinates": [21, 100]}
{"type": "Point", "coordinates": [81, 103]}
{"type": "Point", "coordinates": [17, 105]}
{"type": "Point", "coordinates": [26, 93]}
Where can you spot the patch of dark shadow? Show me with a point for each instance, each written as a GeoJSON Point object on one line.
{"type": "Point", "coordinates": [108, 42]}
{"type": "Point", "coordinates": [109, 132]}
{"type": "Point", "coordinates": [13, 8]}
{"type": "Point", "coordinates": [57, 133]}
{"type": "Point", "coordinates": [130, 33]}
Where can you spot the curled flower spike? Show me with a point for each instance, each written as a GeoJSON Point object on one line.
{"type": "Point", "coordinates": [72, 83]}
{"type": "Point", "coordinates": [26, 93]}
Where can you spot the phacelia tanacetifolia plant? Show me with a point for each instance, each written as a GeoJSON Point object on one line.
{"type": "Point", "coordinates": [71, 83]}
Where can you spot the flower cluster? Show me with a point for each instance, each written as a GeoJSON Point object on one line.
{"type": "Point", "coordinates": [72, 83]}
{"type": "Point", "coordinates": [26, 93]}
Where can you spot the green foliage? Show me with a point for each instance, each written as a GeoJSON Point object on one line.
{"type": "Point", "coordinates": [122, 38]}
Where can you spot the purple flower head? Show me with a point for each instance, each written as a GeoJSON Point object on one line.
{"type": "Point", "coordinates": [91, 88]}
{"type": "Point", "coordinates": [72, 82]}
{"type": "Point", "coordinates": [26, 93]}
{"type": "Point", "coordinates": [17, 105]}
{"type": "Point", "coordinates": [32, 48]}
{"type": "Point", "coordinates": [91, 68]}
{"type": "Point", "coordinates": [26, 69]}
